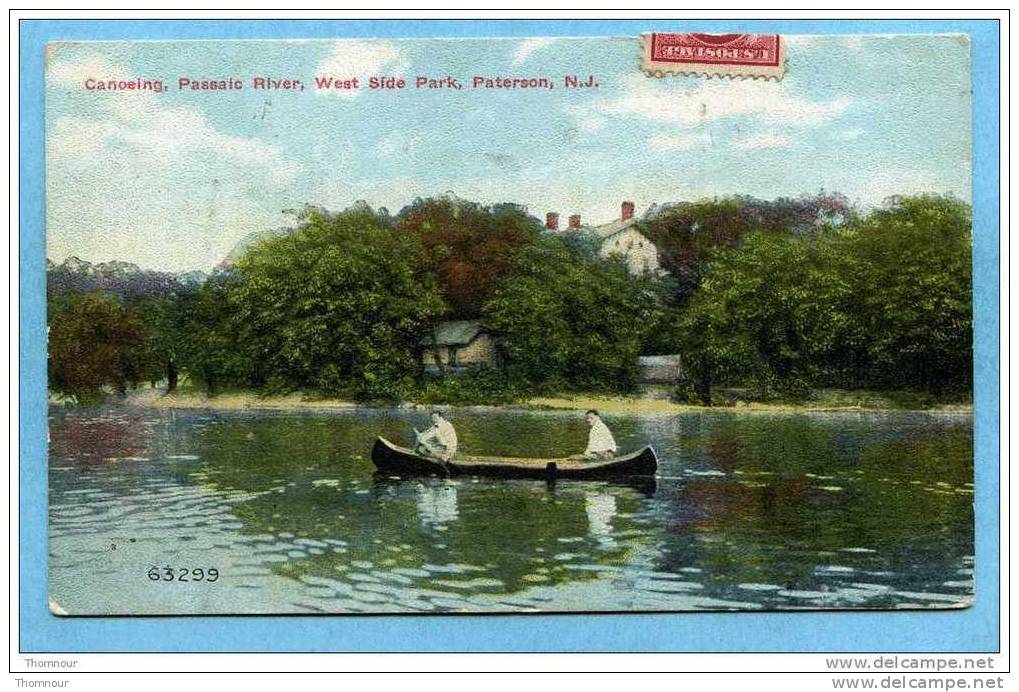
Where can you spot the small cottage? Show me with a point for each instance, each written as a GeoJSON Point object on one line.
{"type": "Point", "coordinates": [459, 345]}
{"type": "Point", "coordinates": [660, 369]}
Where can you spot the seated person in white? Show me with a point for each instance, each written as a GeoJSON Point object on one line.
{"type": "Point", "coordinates": [600, 443]}
{"type": "Point", "coordinates": [439, 441]}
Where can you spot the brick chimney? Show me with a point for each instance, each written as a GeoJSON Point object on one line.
{"type": "Point", "coordinates": [552, 221]}
{"type": "Point", "coordinates": [626, 213]}
{"type": "Point", "coordinates": [574, 222]}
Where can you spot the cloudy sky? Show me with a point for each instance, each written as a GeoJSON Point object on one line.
{"type": "Point", "coordinates": [172, 181]}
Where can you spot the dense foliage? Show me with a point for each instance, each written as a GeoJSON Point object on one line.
{"type": "Point", "coordinates": [883, 302]}
{"type": "Point", "coordinates": [213, 349]}
{"type": "Point", "coordinates": [779, 297]}
{"type": "Point", "coordinates": [688, 233]}
{"type": "Point", "coordinates": [572, 322]}
{"type": "Point", "coordinates": [339, 306]}
{"type": "Point", "coordinates": [95, 342]}
{"type": "Point", "coordinates": [468, 247]}
{"type": "Point", "coordinates": [915, 294]}
{"type": "Point", "coordinates": [770, 314]}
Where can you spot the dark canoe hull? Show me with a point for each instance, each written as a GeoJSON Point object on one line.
{"type": "Point", "coordinates": [399, 461]}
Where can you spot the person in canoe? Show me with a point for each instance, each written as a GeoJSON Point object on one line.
{"type": "Point", "coordinates": [600, 443]}
{"type": "Point", "coordinates": [439, 441]}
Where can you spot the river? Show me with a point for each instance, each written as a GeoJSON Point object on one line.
{"type": "Point", "coordinates": [155, 511]}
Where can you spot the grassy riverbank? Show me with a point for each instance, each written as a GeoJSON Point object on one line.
{"type": "Point", "coordinates": [157, 398]}
{"type": "Point", "coordinates": [821, 400]}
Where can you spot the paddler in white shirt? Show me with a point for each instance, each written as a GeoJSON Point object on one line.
{"type": "Point", "coordinates": [438, 441]}
{"type": "Point", "coordinates": [600, 443]}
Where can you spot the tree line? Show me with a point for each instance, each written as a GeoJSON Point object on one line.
{"type": "Point", "coordinates": [779, 297]}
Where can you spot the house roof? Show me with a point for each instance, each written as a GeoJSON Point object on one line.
{"type": "Point", "coordinates": [607, 230]}
{"type": "Point", "coordinates": [454, 333]}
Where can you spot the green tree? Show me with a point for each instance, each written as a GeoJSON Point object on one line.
{"type": "Point", "coordinates": [572, 322]}
{"type": "Point", "coordinates": [582, 242]}
{"type": "Point", "coordinates": [687, 234]}
{"type": "Point", "coordinates": [884, 302]}
{"type": "Point", "coordinates": [210, 345]}
{"type": "Point", "coordinates": [94, 342]}
{"type": "Point", "coordinates": [914, 293]}
{"type": "Point", "coordinates": [770, 314]}
{"type": "Point", "coordinates": [164, 340]}
{"type": "Point", "coordinates": [339, 306]}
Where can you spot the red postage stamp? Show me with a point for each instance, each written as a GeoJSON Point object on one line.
{"type": "Point", "coordinates": [723, 55]}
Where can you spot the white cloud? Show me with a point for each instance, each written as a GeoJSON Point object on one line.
{"type": "Point", "coordinates": [528, 47]}
{"type": "Point", "coordinates": [825, 41]}
{"type": "Point", "coordinates": [350, 58]}
{"type": "Point", "coordinates": [849, 135]}
{"type": "Point", "coordinates": [770, 102]}
{"type": "Point", "coordinates": [683, 141]}
{"type": "Point", "coordinates": [803, 40]}
{"type": "Point", "coordinates": [72, 137]}
{"type": "Point", "coordinates": [397, 144]}
{"type": "Point", "coordinates": [591, 123]}
{"type": "Point", "coordinates": [763, 140]}
{"type": "Point", "coordinates": [587, 120]}
{"type": "Point", "coordinates": [77, 71]}
{"type": "Point", "coordinates": [137, 175]}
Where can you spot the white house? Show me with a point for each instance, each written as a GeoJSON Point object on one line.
{"type": "Point", "coordinates": [618, 237]}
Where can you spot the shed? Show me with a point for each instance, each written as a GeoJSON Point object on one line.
{"type": "Point", "coordinates": [459, 344]}
{"type": "Point", "coordinates": [660, 369]}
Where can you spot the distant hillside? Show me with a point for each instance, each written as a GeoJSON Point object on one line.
{"type": "Point", "coordinates": [75, 275]}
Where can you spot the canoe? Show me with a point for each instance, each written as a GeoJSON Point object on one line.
{"type": "Point", "coordinates": [400, 461]}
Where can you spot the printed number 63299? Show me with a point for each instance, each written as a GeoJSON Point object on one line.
{"type": "Point", "coordinates": [183, 574]}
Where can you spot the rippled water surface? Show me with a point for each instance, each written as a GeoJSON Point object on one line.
{"type": "Point", "coordinates": [750, 511]}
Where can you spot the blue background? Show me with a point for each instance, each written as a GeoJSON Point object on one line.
{"type": "Point", "coordinates": [973, 629]}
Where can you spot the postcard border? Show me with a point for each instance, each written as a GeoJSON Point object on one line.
{"type": "Point", "coordinates": [975, 629]}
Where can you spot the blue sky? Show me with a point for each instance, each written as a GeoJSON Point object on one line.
{"type": "Point", "coordinates": [172, 181]}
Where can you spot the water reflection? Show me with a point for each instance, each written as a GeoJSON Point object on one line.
{"type": "Point", "coordinates": [601, 510]}
{"type": "Point", "coordinates": [437, 503]}
{"type": "Point", "coordinates": [749, 511]}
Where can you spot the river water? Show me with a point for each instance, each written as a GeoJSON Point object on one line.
{"type": "Point", "coordinates": [171, 512]}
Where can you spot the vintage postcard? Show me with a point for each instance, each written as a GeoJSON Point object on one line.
{"type": "Point", "coordinates": [655, 322]}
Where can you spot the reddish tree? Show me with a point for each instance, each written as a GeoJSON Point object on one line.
{"type": "Point", "coordinates": [469, 246]}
